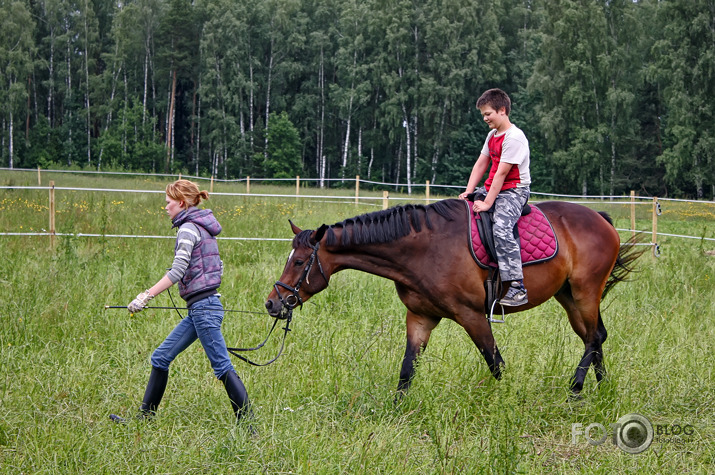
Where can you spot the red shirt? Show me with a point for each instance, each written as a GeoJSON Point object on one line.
{"type": "Point", "coordinates": [495, 148]}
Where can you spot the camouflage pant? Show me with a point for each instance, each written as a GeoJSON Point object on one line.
{"type": "Point", "coordinates": [507, 209]}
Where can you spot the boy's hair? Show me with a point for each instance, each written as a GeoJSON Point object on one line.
{"type": "Point", "coordinates": [496, 99]}
{"type": "Point", "coordinates": [186, 191]}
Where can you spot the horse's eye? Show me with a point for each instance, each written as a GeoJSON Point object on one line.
{"type": "Point", "coordinates": [299, 263]}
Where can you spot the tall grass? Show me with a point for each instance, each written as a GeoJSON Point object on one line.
{"type": "Point", "coordinates": [327, 405]}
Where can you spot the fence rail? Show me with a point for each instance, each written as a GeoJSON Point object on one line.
{"type": "Point", "coordinates": [633, 200]}
{"type": "Point", "coordinates": [301, 180]}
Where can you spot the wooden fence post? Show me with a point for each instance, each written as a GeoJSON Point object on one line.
{"type": "Point", "coordinates": [52, 214]}
{"type": "Point", "coordinates": [385, 199]}
{"type": "Point", "coordinates": [248, 185]}
{"type": "Point", "coordinates": [39, 178]}
{"type": "Point", "coordinates": [211, 187]}
{"type": "Point", "coordinates": [357, 188]}
{"type": "Point", "coordinates": [427, 193]}
{"type": "Point", "coordinates": [633, 213]}
{"type": "Point", "coordinates": [297, 185]}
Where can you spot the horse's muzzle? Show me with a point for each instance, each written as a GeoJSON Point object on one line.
{"type": "Point", "coordinates": [276, 309]}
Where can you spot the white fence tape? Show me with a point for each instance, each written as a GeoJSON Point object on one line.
{"type": "Point", "coordinates": [601, 200]}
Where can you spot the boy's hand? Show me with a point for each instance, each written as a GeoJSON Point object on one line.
{"type": "Point", "coordinates": [480, 206]}
{"type": "Point", "coordinates": [138, 304]}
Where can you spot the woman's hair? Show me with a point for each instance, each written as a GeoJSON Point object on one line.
{"type": "Point", "coordinates": [186, 191]}
{"type": "Point", "coordinates": [496, 99]}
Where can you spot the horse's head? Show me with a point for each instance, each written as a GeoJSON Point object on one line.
{"type": "Point", "coordinates": [303, 275]}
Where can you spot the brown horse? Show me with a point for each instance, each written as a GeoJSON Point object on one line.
{"type": "Point", "coordinates": [424, 250]}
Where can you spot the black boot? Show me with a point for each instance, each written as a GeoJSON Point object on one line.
{"type": "Point", "coordinates": [237, 394]}
{"type": "Point", "coordinates": [154, 392]}
{"type": "Point", "coordinates": [152, 396]}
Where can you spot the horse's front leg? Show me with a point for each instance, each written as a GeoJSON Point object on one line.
{"type": "Point", "coordinates": [477, 326]}
{"type": "Point", "coordinates": [419, 329]}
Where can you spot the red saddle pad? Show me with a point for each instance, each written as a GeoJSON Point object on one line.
{"type": "Point", "coordinates": [537, 239]}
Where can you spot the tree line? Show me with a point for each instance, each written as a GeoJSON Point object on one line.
{"type": "Point", "coordinates": [614, 95]}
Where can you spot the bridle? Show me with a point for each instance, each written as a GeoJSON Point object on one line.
{"type": "Point", "coordinates": [293, 300]}
{"type": "Point", "coordinates": [289, 303]}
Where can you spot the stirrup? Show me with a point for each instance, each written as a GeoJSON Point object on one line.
{"type": "Point", "coordinates": [491, 313]}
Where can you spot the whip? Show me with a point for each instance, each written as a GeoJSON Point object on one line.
{"type": "Point", "coordinates": [107, 307]}
{"type": "Point", "coordinates": [287, 316]}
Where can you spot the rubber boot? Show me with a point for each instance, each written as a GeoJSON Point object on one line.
{"type": "Point", "coordinates": [236, 393]}
{"type": "Point", "coordinates": [154, 392]}
{"type": "Point", "coordinates": [239, 397]}
{"type": "Point", "coordinates": [152, 396]}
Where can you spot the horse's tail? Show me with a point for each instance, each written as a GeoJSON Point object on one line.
{"type": "Point", "coordinates": [628, 253]}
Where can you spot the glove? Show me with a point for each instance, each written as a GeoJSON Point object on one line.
{"type": "Point", "coordinates": [138, 304]}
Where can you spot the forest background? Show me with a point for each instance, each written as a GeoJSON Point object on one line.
{"type": "Point", "coordinates": [614, 95]}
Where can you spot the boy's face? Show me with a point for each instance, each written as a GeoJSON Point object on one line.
{"type": "Point", "coordinates": [494, 119]}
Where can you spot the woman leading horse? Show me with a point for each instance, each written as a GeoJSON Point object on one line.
{"type": "Point", "coordinates": [424, 250]}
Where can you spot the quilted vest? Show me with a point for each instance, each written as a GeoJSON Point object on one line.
{"type": "Point", "coordinates": [204, 272]}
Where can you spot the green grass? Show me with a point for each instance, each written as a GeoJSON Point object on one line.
{"type": "Point", "coordinates": [327, 405]}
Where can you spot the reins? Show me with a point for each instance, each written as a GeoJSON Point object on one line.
{"type": "Point", "coordinates": [287, 316]}
{"type": "Point", "coordinates": [289, 303]}
{"type": "Point", "coordinates": [235, 351]}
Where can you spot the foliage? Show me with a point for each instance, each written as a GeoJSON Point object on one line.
{"type": "Point", "coordinates": [283, 155]}
{"type": "Point", "coordinates": [686, 70]}
{"type": "Point", "coordinates": [613, 96]}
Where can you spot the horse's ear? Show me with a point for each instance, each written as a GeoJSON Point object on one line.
{"type": "Point", "coordinates": [318, 234]}
{"type": "Point", "coordinates": [295, 228]}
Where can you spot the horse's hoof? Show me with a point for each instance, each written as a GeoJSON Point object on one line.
{"type": "Point", "coordinates": [575, 397]}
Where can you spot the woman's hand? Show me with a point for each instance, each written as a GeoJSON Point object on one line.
{"type": "Point", "coordinates": [138, 304]}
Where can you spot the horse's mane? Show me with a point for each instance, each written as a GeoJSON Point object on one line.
{"type": "Point", "coordinates": [388, 225]}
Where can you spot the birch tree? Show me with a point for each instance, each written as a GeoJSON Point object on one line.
{"type": "Point", "coordinates": [16, 60]}
{"type": "Point", "coordinates": [352, 89]}
{"type": "Point", "coordinates": [569, 77]}
{"type": "Point", "coordinates": [684, 66]}
{"type": "Point", "coordinates": [179, 53]}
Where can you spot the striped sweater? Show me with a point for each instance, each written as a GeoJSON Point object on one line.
{"type": "Point", "coordinates": [197, 266]}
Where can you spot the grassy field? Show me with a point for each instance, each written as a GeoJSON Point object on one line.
{"type": "Point", "coordinates": [327, 405]}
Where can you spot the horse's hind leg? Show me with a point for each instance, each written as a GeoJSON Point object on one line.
{"type": "Point", "coordinates": [419, 329]}
{"type": "Point", "coordinates": [598, 366]}
{"type": "Point", "coordinates": [584, 316]}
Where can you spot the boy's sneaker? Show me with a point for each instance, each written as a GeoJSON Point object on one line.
{"type": "Point", "coordinates": [514, 297]}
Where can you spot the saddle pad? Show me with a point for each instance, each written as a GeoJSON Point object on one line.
{"type": "Point", "coordinates": [537, 239]}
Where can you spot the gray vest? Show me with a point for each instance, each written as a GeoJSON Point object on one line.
{"type": "Point", "coordinates": [203, 276]}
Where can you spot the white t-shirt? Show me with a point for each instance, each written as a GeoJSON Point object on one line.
{"type": "Point", "coordinates": [512, 147]}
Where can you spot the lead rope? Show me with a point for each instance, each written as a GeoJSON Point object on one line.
{"type": "Point", "coordinates": [235, 351]}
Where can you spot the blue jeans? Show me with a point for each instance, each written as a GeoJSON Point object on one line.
{"type": "Point", "coordinates": [202, 323]}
